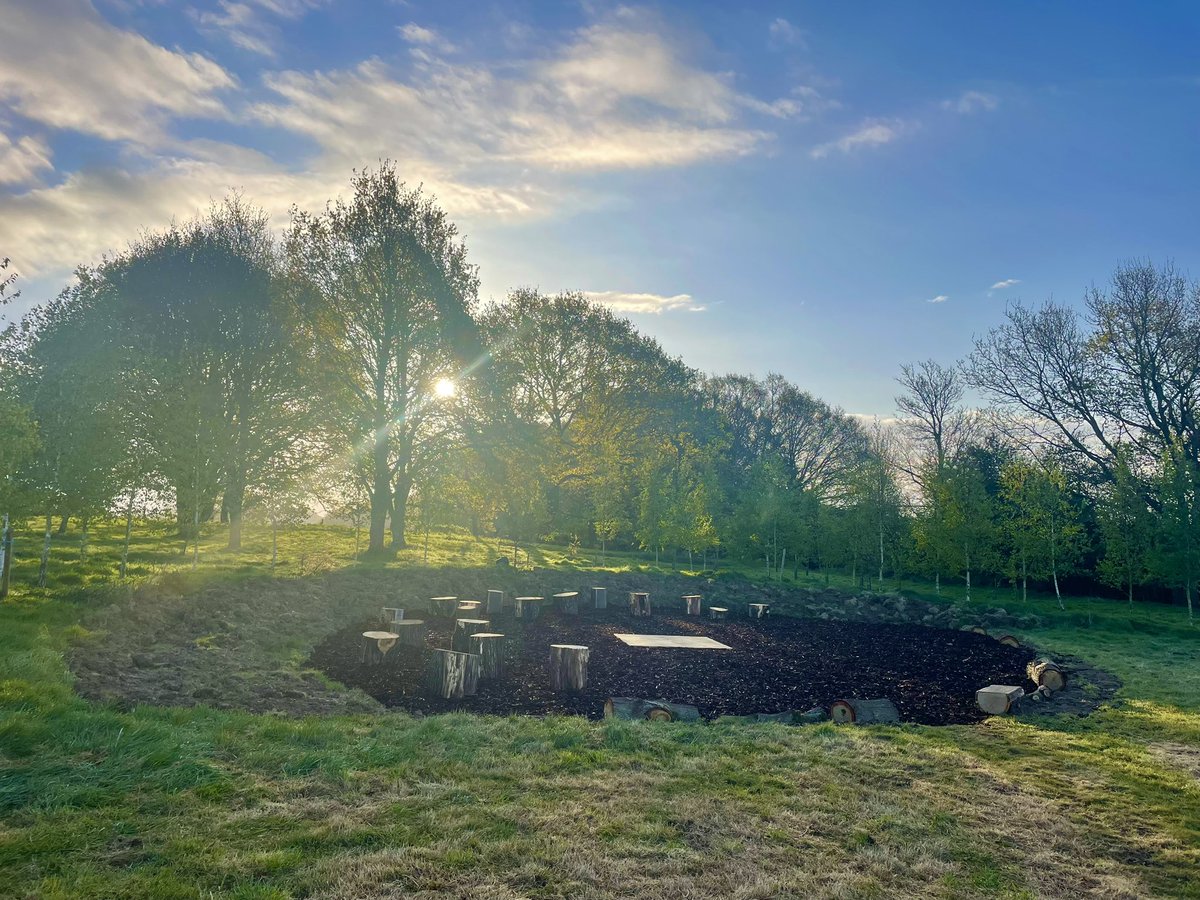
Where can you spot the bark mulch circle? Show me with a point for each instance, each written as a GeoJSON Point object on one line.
{"type": "Point", "coordinates": [774, 665]}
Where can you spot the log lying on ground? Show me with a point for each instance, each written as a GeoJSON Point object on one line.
{"type": "Point", "coordinates": [717, 613]}
{"type": "Point", "coordinates": [463, 629]}
{"type": "Point", "coordinates": [568, 667]}
{"type": "Point", "coordinates": [495, 603]}
{"type": "Point", "coordinates": [568, 602]}
{"type": "Point", "coordinates": [375, 646]}
{"type": "Point", "coordinates": [639, 604]}
{"type": "Point", "coordinates": [391, 614]}
{"type": "Point", "coordinates": [489, 647]}
{"type": "Point", "coordinates": [650, 710]}
{"type": "Point", "coordinates": [1045, 673]}
{"type": "Point", "coordinates": [978, 629]}
{"type": "Point", "coordinates": [452, 675]}
{"type": "Point", "coordinates": [411, 632]}
{"type": "Point", "coordinates": [443, 607]}
{"type": "Point", "coordinates": [600, 598]}
{"type": "Point", "coordinates": [863, 712]}
{"type": "Point", "coordinates": [759, 610]}
{"type": "Point", "coordinates": [693, 602]}
{"type": "Point", "coordinates": [1009, 640]}
{"type": "Point", "coordinates": [527, 608]}
{"type": "Point", "coordinates": [998, 699]}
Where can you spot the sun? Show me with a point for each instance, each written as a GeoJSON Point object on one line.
{"type": "Point", "coordinates": [444, 388]}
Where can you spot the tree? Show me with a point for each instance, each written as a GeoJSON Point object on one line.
{"type": "Point", "coordinates": [1176, 555]}
{"type": "Point", "coordinates": [935, 418]}
{"type": "Point", "coordinates": [388, 292]}
{"type": "Point", "coordinates": [1042, 524]}
{"type": "Point", "coordinates": [1126, 528]}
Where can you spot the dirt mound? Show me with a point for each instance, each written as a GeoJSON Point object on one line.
{"type": "Point", "coordinates": [774, 665]}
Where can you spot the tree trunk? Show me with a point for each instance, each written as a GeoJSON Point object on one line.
{"type": "Point", "coordinates": [444, 607]}
{"type": "Point", "coordinates": [411, 632]}
{"type": "Point", "coordinates": [274, 542]}
{"type": "Point", "coordinates": [1045, 673]}
{"type": "Point", "coordinates": [649, 710]}
{"type": "Point", "coordinates": [600, 598]}
{"type": "Point", "coordinates": [128, 534]}
{"type": "Point", "coordinates": [693, 602]}
{"type": "Point", "coordinates": [718, 613]}
{"type": "Point", "coordinates": [527, 608]}
{"type": "Point", "coordinates": [62, 525]}
{"type": "Point", "coordinates": [489, 647]}
{"type": "Point", "coordinates": [451, 675]}
{"type": "Point", "coordinates": [84, 524]}
{"type": "Point", "coordinates": [463, 629]}
{"type": "Point", "coordinates": [380, 494]}
{"type": "Point", "coordinates": [759, 610]}
{"type": "Point", "coordinates": [863, 712]}
{"type": "Point", "coordinates": [44, 567]}
{"type": "Point", "coordinates": [495, 603]}
{"type": "Point", "coordinates": [568, 602]}
{"type": "Point", "coordinates": [568, 668]}
{"type": "Point", "coordinates": [998, 699]}
{"type": "Point", "coordinates": [639, 604]}
{"type": "Point", "coordinates": [400, 511]}
{"type": "Point", "coordinates": [376, 645]}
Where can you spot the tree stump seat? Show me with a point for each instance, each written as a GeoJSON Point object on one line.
{"type": "Point", "coordinates": [376, 644]}
{"type": "Point", "coordinates": [527, 608]}
{"type": "Point", "coordinates": [718, 613]}
{"type": "Point", "coordinates": [759, 610]}
{"type": "Point", "coordinates": [443, 607]}
{"type": "Point", "coordinates": [692, 603]}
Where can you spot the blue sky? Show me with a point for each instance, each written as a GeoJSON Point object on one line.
{"type": "Point", "coordinates": [822, 189]}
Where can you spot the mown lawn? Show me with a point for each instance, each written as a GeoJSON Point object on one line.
{"type": "Point", "coordinates": [96, 802]}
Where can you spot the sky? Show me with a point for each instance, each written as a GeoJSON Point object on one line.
{"type": "Point", "coordinates": [824, 190]}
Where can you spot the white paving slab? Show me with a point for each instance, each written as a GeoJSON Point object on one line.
{"type": "Point", "coordinates": [686, 641]}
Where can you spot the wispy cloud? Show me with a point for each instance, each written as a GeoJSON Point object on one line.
{"type": "Point", "coordinates": [251, 24]}
{"type": "Point", "coordinates": [623, 301]}
{"type": "Point", "coordinates": [971, 101]}
{"type": "Point", "coordinates": [869, 134]}
{"type": "Point", "coordinates": [23, 159]}
{"type": "Point", "coordinates": [413, 33]}
{"type": "Point", "coordinates": [1006, 283]}
{"type": "Point", "coordinates": [940, 298]}
{"type": "Point", "coordinates": [782, 33]}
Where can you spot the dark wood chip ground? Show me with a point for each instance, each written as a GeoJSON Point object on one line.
{"type": "Point", "coordinates": [776, 664]}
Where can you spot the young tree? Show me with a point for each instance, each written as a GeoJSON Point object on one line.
{"type": "Point", "coordinates": [389, 293]}
{"type": "Point", "coordinates": [1176, 556]}
{"type": "Point", "coordinates": [1042, 524]}
{"type": "Point", "coordinates": [1126, 527]}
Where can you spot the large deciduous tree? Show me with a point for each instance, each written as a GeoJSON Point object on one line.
{"type": "Point", "coordinates": [389, 295]}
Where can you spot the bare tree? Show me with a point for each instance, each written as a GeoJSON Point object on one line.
{"type": "Point", "coordinates": [935, 419]}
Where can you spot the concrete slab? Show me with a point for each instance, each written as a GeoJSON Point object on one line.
{"type": "Point", "coordinates": [685, 641]}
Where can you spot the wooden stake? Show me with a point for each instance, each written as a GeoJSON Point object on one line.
{"type": "Point", "coordinates": [600, 598]}
{"type": "Point", "coordinates": [693, 602]}
{"type": "Point", "coordinates": [495, 603]}
{"type": "Point", "coordinates": [650, 710]}
{"type": "Point", "coordinates": [489, 647]}
{"type": "Point", "coordinates": [452, 675]}
{"type": "Point", "coordinates": [463, 629]}
{"type": "Point", "coordinates": [863, 712]}
{"type": "Point", "coordinates": [568, 667]}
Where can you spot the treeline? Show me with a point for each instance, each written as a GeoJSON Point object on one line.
{"type": "Point", "coordinates": [215, 371]}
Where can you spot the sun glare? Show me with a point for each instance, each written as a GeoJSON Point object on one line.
{"type": "Point", "coordinates": [444, 388]}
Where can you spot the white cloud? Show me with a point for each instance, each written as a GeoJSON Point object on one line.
{"type": "Point", "coordinates": [66, 67]}
{"type": "Point", "coordinates": [971, 101]}
{"type": "Point", "coordinates": [782, 33]}
{"type": "Point", "coordinates": [940, 298]}
{"type": "Point", "coordinates": [250, 24]}
{"type": "Point", "coordinates": [623, 301]}
{"type": "Point", "coordinates": [23, 159]}
{"type": "Point", "coordinates": [1006, 283]}
{"type": "Point", "coordinates": [869, 134]}
{"type": "Point", "coordinates": [425, 37]}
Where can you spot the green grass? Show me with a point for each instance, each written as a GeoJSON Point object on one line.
{"type": "Point", "coordinates": [151, 802]}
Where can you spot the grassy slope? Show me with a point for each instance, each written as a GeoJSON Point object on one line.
{"type": "Point", "coordinates": [198, 803]}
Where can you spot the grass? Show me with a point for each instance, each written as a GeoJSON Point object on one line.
{"type": "Point", "coordinates": [197, 803]}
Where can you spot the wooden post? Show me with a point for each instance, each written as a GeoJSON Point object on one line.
{"type": "Point", "coordinates": [411, 632]}
{"type": "Point", "coordinates": [495, 603]}
{"type": "Point", "coordinates": [391, 614]}
{"type": "Point", "coordinates": [1045, 673]}
{"type": "Point", "coordinates": [693, 602]}
{"type": "Point", "coordinates": [452, 675]}
{"type": "Point", "coordinates": [489, 647]}
{"type": "Point", "coordinates": [443, 607]}
{"type": "Point", "coordinates": [600, 598]}
{"type": "Point", "coordinates": [463, 629]}
{"type": "Point", "coordinates": [468, 608]}
{"type": "Point", "coordinates": [376, 645]}
{"type": "Point", "coordinates": [650, 710]}
{"type": "Point", "coordinates": [759, 610]}
{"type": "Point", "coordinates": [568, 667]}
{"type": "Point", "coordinates": [639, 604]}
{"type": "Point", "coordinates": [863, 712]}
{"type": "Point", "coordinates": [568, 602]}
{"type": "Point", "coordinates": [718, 613]}
{"type": "Point", "coordinates": [998, 699]}
{"type": "Point", "coordinates": [527, 608]}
